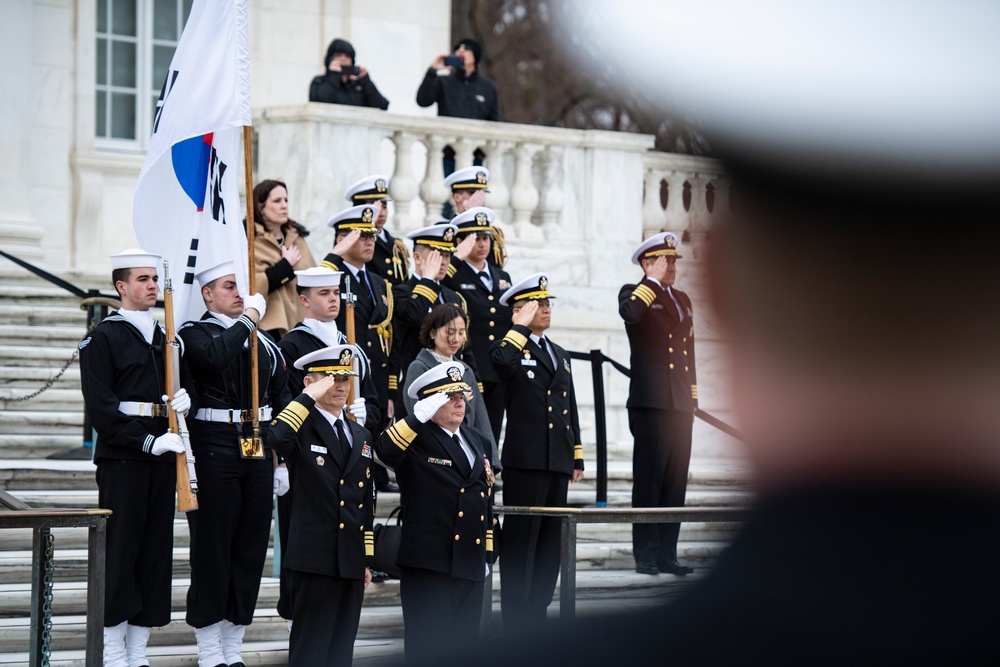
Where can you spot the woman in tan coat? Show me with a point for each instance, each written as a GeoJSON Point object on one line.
{"type": "Point", "coordinates": [280, 249]}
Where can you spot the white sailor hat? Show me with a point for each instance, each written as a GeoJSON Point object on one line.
{"type": "Point", "coordinates": [357, 217]}
{"type": "Point", "coordinates": [215, 272]}
{"type": "Point", "coordinates": [476, 219]}
{"type": "Point", "coordinates": [445, 378]}
{"type": "Point", "coordinates": [134, 258]}
{"type": "Point", "coordinates": [333, 360]}
{"type": "Point", "coordinates": [470, 178]}
{"type": "Point", "coordinates": [663, 244]}
{"type": "Point", "coordinates": [318, 276]}
{"type": "Point", "coordinates": [440, 237]}
{"type": "Point", "coordinates": [372, 188]}
{"type": "Point", "coordinates": [532, 288]}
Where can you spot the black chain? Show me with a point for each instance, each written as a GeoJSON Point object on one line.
{"type": "Point", "coordinates": [47, 385]}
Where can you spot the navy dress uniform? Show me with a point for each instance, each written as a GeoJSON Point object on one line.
{"type": "Point", "coordinates": [446, 482]}
{"type": "Point", "coordinates": [471, 180]}
{"type": "Point", "coordinates": [663, 395]}
{"type": "Point", "coordinates": [541, 451]}
{"type": "Point", "coordinates": [122, 379]}
{"type": "Point", "coordinates": [229, 532]}
{"type": "Point", "coordinates": [488, 319]}
{"type": "Point", "coordinates": [415, 298]}
{"type": "Point", "coordinates": [391, 260]}
{"type": "Point", "coordinates": [330, 541]}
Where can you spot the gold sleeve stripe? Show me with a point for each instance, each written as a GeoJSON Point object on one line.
{"type": "Point", "coordinates": [451, 271]}
{"type": "Point", "coordinates": [401, 434]}
{"type": "Point", "coordinates": [424, 291]}
{"type": "Point", "coordinates": [489, 540]}
{"type": "Point", "coordinates": [329, 265]}
{"type": "Point", "coordinates": [694, 391]}
{"type": "Point", "coordinates": [645, 293]}
{"type": "Point", "coordinates": [480, 386]}
{"type": "Point", "coordinates": [396, 440]}
{"type": "Point", "coordinates": [393, 382]}
{"type": "Point", "coordinates": [369, 543]}
{"type": "Point", "coordinates": [577, 452]}
{"type": "Point", "coordinates": [294, 415]}
{"type": "Point", "coordinates": [516, 339]}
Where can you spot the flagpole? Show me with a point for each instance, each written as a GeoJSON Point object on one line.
{"type": "Point", "coordinates": [251, 281]}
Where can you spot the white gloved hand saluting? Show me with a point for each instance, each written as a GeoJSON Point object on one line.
{"type": "Point", "coordinates": [425, 408]}
{"type": "Point", "coordinates": [168, 442]}
{"type": "Point", "coordinates": [358, 410]}
{"type": "Point", "coordinates": [181, 403]}
{"type": "Point", "coordinates": [257, 302]}
{"type": "Point", "coordinates": [281, 483]}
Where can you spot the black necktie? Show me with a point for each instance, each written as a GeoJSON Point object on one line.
{"type": "Point", "coordinates": [458, 443]}
{"type": "Point", "coordinates": [363, 279]}
{"type": "Point", "coordinates": [345, 444]}
{"type": "Point", "coordinates": [675, 305]}
{"type": "Point", "coordinates": [484, 278]}
{"type": "Point", "coordinates": [545, 353]}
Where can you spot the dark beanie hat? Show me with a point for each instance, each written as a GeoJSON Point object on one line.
{"type": "Point", "coordinates": [471, 45]}
{"type": "Point", "coordinates": [341, 46]}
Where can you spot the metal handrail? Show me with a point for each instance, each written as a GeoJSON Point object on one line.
{"type": "Point", "coordinates": [570, 517]}
{"type": "Point", "coordinates": [42, 521]}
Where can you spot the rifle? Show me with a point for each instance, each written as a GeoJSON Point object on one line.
{"type": "Point", "coordinates": [187, 478]}
{"type": "Point", "coordinates": [350, 298]}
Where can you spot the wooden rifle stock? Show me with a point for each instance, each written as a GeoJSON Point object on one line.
{"type": "Point", "coordinates": [351, 340]}
{"type": "Point", "coordinates": [186, 485]}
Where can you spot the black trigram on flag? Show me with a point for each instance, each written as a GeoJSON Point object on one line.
{"type": "Point", "coordinates": [168, 85]}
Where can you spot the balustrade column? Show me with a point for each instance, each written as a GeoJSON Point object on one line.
{"type": "Point", "coordinates": [463, 152]}
{"type": "Point", "coordinates": [403, 185]}
{"type": "Point", "coordinates": [550, 206]}
{"type": "Point", "coordinates": [523, 196]}
{"type": "Point", "coordinates": [698, 216]}
{"type": "Point", "coordinates": [432, 189]}
{"type": "Point", "coordinates": [653, 215]}
{"type": "Point", "coordinates": [498, 197]}
{"type": "Point", "coordinates": [676, 218]}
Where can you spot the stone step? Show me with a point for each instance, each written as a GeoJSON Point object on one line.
{"type": "Point", "coordinates": [37, 447]}
{"type": "Point", "coordinates": [25, 355]}
{"type": "Point", "coordinates": [57, 397]}
{"type": "Point", "coordinates": [40, 422]}
{"type": "Point", "coordinates": [41, 335]}
{"type": "Point", "coordinates": [33, 377]}
{"type": "Point", "coordinates": [35, 314]}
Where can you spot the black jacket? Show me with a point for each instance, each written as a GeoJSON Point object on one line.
{"type": "Point", "coordinates": [663, 370]}
{"type": "Point", "coordinates": [474, 97]}
{"type": "Point", "coordinates": [488, 320]}
{"type": "Point", "coordinates": [447, 505]}
{"type": "Point", "coordinates": [543, 425]}
{"type": "Point", "coordinates": [330, 528]}
{"type": "Point", "coordinates": [332, 89]}
{"type": "Point", "coordinates": [388, 262]}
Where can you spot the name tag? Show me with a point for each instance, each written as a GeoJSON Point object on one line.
{"type": "Point", "coordinates": [657, 306]}
{"type": "Point", "coordinates": [439, 462]}
{"type": "Point", "coordinates": [366, 451]}
{"type": "Point", "coordinates": [319, 449]}
{"type": "Point", "coordinates": [528, 362]}
{"type": "Point", "coordinates": [465, 286]}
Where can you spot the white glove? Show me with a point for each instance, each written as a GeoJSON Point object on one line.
{"type": "Point", "coordinates": [425, 408]}
{"type": "Point", "coordinates": [181, 403]}
{"type": "Point", "coordinates": [358, 410]}
{"type": "Point", "coordinates": [168, 442]}
{"type": "Point", "coordinates": [281, 483]}
{"type": "Point", "coordinates": [257, 302]}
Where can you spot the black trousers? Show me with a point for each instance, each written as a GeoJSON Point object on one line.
{"type": "Point", "coordinates": [140, 539]}
{"type": "Point", "coordinates": [493, 398]}
{"type": "Point", "coordinates": [441, 615]}
{"type": "Point", "coordinates": [660, 461]}
{"type": "Point", "coordinates": [229, 534]}
{"type": "Point", "coordinates": [327, 611]}
{"type": "Point", "coordinates": [284, 583]}
{"type": "Point", "coordinates": [529, 562]}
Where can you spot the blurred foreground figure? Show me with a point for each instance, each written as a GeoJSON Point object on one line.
{"type": "Point", "coordinates": [858, 287]}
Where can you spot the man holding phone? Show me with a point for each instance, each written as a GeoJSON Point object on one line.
{"type": "Point", "coordinates": [344, 82]}
{"type": "Point", "coordinates": [454, 82]}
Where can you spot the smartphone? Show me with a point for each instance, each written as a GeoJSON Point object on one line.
{"type": "Point", "coordinates": [348, 70]}
{"type": "Point", "coordinates": [454, 61]}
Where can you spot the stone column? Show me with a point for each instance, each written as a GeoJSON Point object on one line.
{"type": "Point", "coordinates": [432, 189]}
{"type": "Point", "coordinates": [498, 197]}
{"type": "Point", "coordinates": [676, 216]}
{"type": "Point", "coordinates": [653, 216]}
{"type": "Point", "coordinates": [19, 234]}
{"type": "Point", "coordinates": [550, 206]}
{"type": "Point", "coordinates": [523, 196]}
{"type": "Point", "coordinates": [403, 185]}
{"type": "Point", "coordinates": [698, 215]}
{"type": "Point", "coordinates": [463, 152]}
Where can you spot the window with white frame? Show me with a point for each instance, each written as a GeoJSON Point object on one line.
{"type": "Point", "coordinates": [135, 43]}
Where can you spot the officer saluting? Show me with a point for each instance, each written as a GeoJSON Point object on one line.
{"type": "Point", "coordinates": [482, 285]}
{"type": "Point", "coordinates": [229, 532]}
{"type": "Point", "coordinates": [663, 394]}
{"type": "Point", "coordinates": [122, 378]}
{"type": "Point", "coordinates": [541, 451]}
{"type": "Point", "coordinates": [446, 481]}
{"type": "Point", "coordinates": [330, 544]}
{"type": "Point", "coordinates": [391, 260]}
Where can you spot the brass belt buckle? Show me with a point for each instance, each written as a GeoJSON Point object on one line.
{"type": "Point", "coordinates": [251, 448]}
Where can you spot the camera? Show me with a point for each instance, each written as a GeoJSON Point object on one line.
{"type": "Point", "coordinates": [454, 61]}
{"type": "Point", "coordinates": [348, 70]}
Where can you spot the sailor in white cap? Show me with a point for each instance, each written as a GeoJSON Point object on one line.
{"type": "Point", "coordinates": [469, 188]}
{"type": "Point", "coordinates": [229, 532]}
{"type": "Point", "coordinates": [446, 480]}
{"type": "Point", "coordinates": [481, 284]}
{"type": "Point", "coordinates": [391, 259]}
{"type": "Point", "coordinates": [331, 542]}
{"type": "Point", "coordinates": [663, 395]}
{"type": "Point", "coordinates": [121, 376]}
{"type": "Point", "coordinates": [432, 249]}
{"type": "Point", "coordinates": [542, 451]}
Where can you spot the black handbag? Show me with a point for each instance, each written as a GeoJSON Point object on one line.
{"type": "Point", "coordinates": [387, 538]}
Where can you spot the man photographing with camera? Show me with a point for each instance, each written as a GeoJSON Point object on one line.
{"type": "Point", "coordinates": [454, 82]}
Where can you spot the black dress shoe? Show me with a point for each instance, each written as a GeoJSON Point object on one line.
{"type": "Point", "coordinates": [673, 567]}
{"type": "Point", "coordinates": [647, 568]}
{"type": "Point", "coordinates": [388, 487]}
{"type": "Point", "coordinates": [378, 575]}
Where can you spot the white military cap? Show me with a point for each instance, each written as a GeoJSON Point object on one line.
{"type": "Point", "coordinates": [333, 360]}
{"type": "Point", "coordinates": [439, 237]}
{"type": "Point", "coordinates": [371, 188]}
{"type": "Point", "coordinates": [663, 244]}
{"type": "Point", "coordinates": [318, 276]}
{"type": "Point", "coordinates": [445, 378]}
{"type": "Point", "coordinates": [476, 219]}
{"type": "Point", "coordinates": [470, 178]}
{"type": "Point", "coordinates": [357, 217]}
{"type": "Point", "coordinates": [134, 258]}
{"type": "Point", "coordinates": [532, 288]}
{"type": "Point", "coordinates": [215, 272]}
